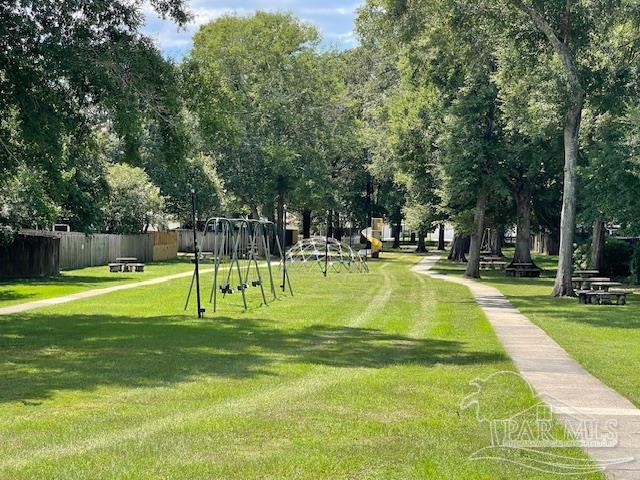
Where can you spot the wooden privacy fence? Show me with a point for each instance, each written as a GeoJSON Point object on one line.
{"type": "Point", "coordinates": [30, 256]}
{"type": "Point", "coordinates": [206, 243]}
{"type": "Point", "coordinates": [165, 246]}
{"type": "Point", "coordinates": [78, 250]}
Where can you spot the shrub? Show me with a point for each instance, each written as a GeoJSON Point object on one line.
{"type": "Point", "coordinates": [582, 256]}
{"type": "Point", "coordinates": [635, 265]}
{"type": "Point", "coordinates": [617, 257]}
{"type": "Point", "coordinates": [7, 234]}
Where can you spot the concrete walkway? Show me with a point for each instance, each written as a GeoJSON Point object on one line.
{"type": "Point", "coordinates": [23, 307]}
{"type": "Point", "coordinates": [572, 393]}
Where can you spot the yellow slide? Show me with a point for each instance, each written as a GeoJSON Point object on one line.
{"type": "Point", "coordinates": [376, 243]}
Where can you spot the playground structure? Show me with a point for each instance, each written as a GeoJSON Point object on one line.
{"type": "Point", "coordinates": [325, 253]}
{"type": "Point", "coordinates": [373, 234]}
{"type": "Point", "coordinates": [329, 253]}
{"type": "Point", "coordinates": [239, 247]}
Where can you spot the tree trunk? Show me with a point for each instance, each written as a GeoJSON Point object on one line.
{"type": "Point", "coordinates": [441, 245]}
{"type": "Point", "coordinates": [563, 285]}
{"type": "Point", "coordinates": [495, 241]}
{"type": "Point", "coordinates": [552, 245]}
{"type": "Point", "coordinates": [473, 266]}
{"type": "Point", "coordinates": [330, 224]}
{"type": "Point", "coordinates": [549, 243]}
{"type": "Point", "coordinates": [523, 234]}
{"type": "Point", "coordinates": [398, 231]}
{"type": "Point", "coordinates": [306, 224]}
{"type": "Point", "coordinates": [422, 245]}
{"type": "Point", "coordinates": [539, 242]}
{"type": "Point", "coordinates": [458, 248]}
{"type": "Point", "coordinates": [280, 214]}
{"type": "Point", "coordinates": [597, 244]}
{"type": "Point", "coordinates": [338, 227]}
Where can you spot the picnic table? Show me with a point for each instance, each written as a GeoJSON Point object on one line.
{"type": "Point", "coordinates": [583, 283]}
{"type": "Point", "coordinates": [493, 263]}
{"type": "Point", "coordinates": [523, 269]}
{"type": "Point", "coordinates": [605, 286]}
{"type": "Point", "coordinates": [586, 273]}
{"type": "Point", "coordinates": [600, 297]}
{"type": "Point", "coordinates": [126, 264]}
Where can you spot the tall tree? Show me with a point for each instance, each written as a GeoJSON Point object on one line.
{"type": "Point", "coordinates": [67, 66]}
{"type": "Point", "coordinates": [574, 31]}
{"type": "Point", "coordinates": [134, 203]}
{"type": "Point", "coordinates": [265, 100]}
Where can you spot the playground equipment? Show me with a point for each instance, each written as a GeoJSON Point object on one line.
{"type": "Point", "coordinates": [373, 234]}
{"type": "Point", "coordinates": [239, 245]}
{"type": "Point", "coordinates": [325, 253]}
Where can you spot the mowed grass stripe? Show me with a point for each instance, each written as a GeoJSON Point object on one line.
{"type": "Point", "coordinates": [130, 386]}
{"type": "Point", "coordinates": [233, 407]}
{"type": "Point", "coordinates": [385, 289]}
{"type": "Point", "coordinates": [426, 311]}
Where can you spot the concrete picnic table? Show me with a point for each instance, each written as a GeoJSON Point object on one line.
{"type": "Point", "coordinates": [605, 286]}
{"type": "Point", "coordinates": [125, 264]}
{"type": "Point", "coordinates": [586, 273]}
{"type": "Point", "coordinates": [585, 282]}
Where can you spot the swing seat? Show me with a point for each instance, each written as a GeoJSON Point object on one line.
{"type": "Point", "coordinates": [226, 289]}
{"type": "Point", "coordinates": [242, 287]}
{"type": "Point", "coordinates": [256, 283]}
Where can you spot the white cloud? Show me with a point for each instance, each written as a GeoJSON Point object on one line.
{"type": "Point", "coordinates": [330, 11]}
{"type": "Point", "coordinates": [206, 15]}
{"type": "Point", "coordinates": [332, 18]}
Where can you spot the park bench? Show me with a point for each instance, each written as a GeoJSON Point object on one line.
{"type": "Point", "coordinates": [139, 267]}
{"type": "Point", "coordinates": [116, 267]}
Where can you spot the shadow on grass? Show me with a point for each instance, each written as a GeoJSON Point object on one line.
{"type": "Point", "coordinates": [569, 310]}
{"type": "Point", "coordinates": [61, 280]}
{"type": "Point", "coordinates": [555, 309]}
{"type": "Point", "coordinates": [12, 295]}
{"type": "Point", "coordinates": [94, 275]}
{"type": "Point", "coordinates": [79, 352]}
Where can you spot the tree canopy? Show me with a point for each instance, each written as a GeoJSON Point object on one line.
{"type": "Point", "coordinates": [485, 114]}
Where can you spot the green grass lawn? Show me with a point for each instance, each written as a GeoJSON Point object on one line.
{"type": "Point", "coordinates": [605, 339]}
{"type": "Point", "coordinates": [356, 376]}
{"type": "Point", "coordinates": [72, 281]}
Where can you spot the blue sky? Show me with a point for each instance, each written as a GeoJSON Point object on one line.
{"type": "Point", "coordinates": [334, 19]}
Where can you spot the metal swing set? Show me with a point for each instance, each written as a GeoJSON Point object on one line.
{"type": "Point", "coordinates": [239, 245]}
